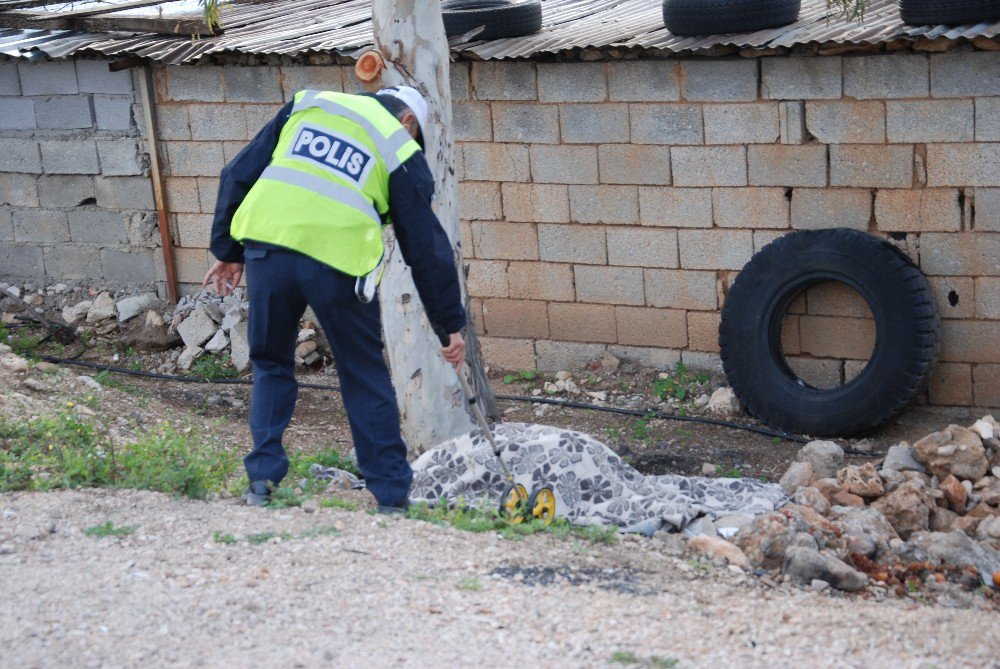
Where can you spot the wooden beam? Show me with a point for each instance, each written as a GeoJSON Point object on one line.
{"type": "Point", "coordinates": [99, 24]}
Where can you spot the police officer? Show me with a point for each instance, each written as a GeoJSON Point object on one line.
{"type": "Point", "coordinates": [302, 208]}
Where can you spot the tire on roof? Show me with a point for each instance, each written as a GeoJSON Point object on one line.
{"type": "Point", "coordinates": [907, 339]}
{"type": "Point", "coordinates": [499, 18]}
{"type": "Point", "coordinates": [948, 12]}
{"type": "Point", "coordinates": [719, 17]}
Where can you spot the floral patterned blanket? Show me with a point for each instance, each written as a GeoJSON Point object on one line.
{"type": "Point", "coordinates": [592, 484]}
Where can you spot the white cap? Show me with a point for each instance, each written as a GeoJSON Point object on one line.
{"type": "Point", "coordinates": [412, 98]}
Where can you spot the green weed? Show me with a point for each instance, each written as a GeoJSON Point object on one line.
{"type": "Point", "coordinates": [680, 384]}
{"type": "Point", "coordinates": [337, 503]}
{"type": "Point", "coordinates": [263, 537]}
{"type": "Point", "coordinates": [728, 473]}
{"type": "Point", "coordinates": [106, 529]}
{"type": "Point", "coordinates": [471, 583]}
{"type": "Point", "coordinates": [213, 367]}
{"type": "Point", "coordinates": [523, 375]}
{"type": "Point", "coordinates": [325, 531]}
{"type": "Point", "coordinates": [221, 538]}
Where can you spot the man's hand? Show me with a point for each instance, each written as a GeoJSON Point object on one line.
{"type": "Point", "coordinates": [224, 277]}
{"type": "Point", "coordinates": [454, 352]}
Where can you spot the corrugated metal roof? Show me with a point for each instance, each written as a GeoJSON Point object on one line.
{"type": "Point", "coordinates": [296, 27]}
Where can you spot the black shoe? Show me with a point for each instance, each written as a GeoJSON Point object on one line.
{"type": "Point", "coordinates": [258, 494]}
{"type": "Point", "coordinates": [387, 510]}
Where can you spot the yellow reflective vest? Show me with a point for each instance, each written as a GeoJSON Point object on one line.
{"type": "Point", "coordinates": [326, 191]}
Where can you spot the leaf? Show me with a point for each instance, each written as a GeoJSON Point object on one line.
{"type": "Point", "coordinates": [528, 375]}
{"type": "Point", "coordinates": [510, 378]}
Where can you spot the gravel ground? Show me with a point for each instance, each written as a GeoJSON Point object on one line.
{"type": "Point", "coordinates": [397, 592]}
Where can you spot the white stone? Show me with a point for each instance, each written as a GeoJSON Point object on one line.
{"type": "Point", "coordinates": [900, 458]}
{"type": "Point", "coordinates": [13, 363]}
{"type": "Point", "coordinates": [13, 290]}
{"type": "Point", "coordinates": [239, 346]}
{"type": "Point", "coordinates": [103, 307]}
{"type": "Point", "coordinates": [131, 307]}
{"type": "Point", "coordinates": [188, 356]}
{"type": "Point", "coordinates": [233, 316]}
{"type": "Point", "coordinates": [218, 343]}
{"type": "Point", "coordinates": [305, 334]}
{"type": "Point", "coordinates": [74, 313]}
{"type": "Point", "coordinates": [724, 402]}
{"type": "Point", "coordinates": [213, 310]}
{"type": "Point", "coordinates": [90, 382]}
{"type": "Point", "coordinates": [599, 395]}
{"type": "Point", "coordinates": [197, 328]}
{"type": "Point", "coordinates": [984, 429]}
{"type": "Point", "coordinates": [563, 375]}
{"type": "Point", "coordinates": [153, 319]}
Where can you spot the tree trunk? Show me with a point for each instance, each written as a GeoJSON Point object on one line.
{"type": "Point", "coordinates": [409, 34]}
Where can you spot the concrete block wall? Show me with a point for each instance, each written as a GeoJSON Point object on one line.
{"type": "Point", "coordinates": [610, 205]}
{"type": "Point", "coordinates": [75, 198]}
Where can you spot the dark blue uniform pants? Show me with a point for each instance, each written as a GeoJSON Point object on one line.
{"type": "Point", "coordinates": [280, 284]}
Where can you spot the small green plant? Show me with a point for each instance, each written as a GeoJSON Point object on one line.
{"type": "Point", "coordinates": [4, 334]}
{"type": "Point", "coordinates": [106, 529]}
{"type": "Point", "coordinates": [641, 429]}
{"type": "Point", "coordinates": [325, 531]}
{"type": "Point", "coordinates": [624, 657]}
{"type": "Point", "coordinates": [221, 538]}
{"type": "Point", "coordinates": [523, 375]}
{"type": "Point", "coordinates": [728, 472]}
{"type": "Point", "coordinates": [663, 662]}
{"type": "Point", "coordinates": [337, 503]}
{"type": "Point", "coordinates": [679, 384]}
{"type": "Point", "coordinates": [214, 367]}
{"type": "Point", "coordinates": [472, 519]}
{"type": "Point", "coordinates": [471, 583]}
{"type": "Point", "coordinates": [263, 537]}
{"type": "Point", "coordinates": [23, 345]}
{"type": "Point", "coordinates": [614, 433]}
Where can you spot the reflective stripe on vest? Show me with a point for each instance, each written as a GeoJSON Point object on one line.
{"type": "Point", "coordinates": [324, 187]}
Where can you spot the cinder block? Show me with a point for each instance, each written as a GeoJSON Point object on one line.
{"type": "Point", "coordinates": [295, 78]}
{"type": "Point", "coordinates": [820, 373]}
{"type": "Point", "coordinates": [208, 191]}
{"type": "Point", "coordinates": [703, 330]}
{"type": "Point", "coordinates": [505, 241]}
{"type": "Point", "coordinates": [487, 278]}
{"type": "Point", "coordinates": [128, 267]}
{"type": "Point", "coordinates": [750, 207]}
{"type": "Point", "coordinates": [230, 149]}
{"type": "Point", "coordinates": [559, 355]}
{"type": "Point", "coordinates": [969, 341]}
{"type": "Point", "coordinates": [642, 247]}
{"type": "Point", "coordinates": [114, 113]}
{"type": "Point", "coordinates": [634, 164]}
{"type": "Point", "coordinates": [963, 73]}
{"type": "Point", "coordinates": [762, 238]}
{"type": "Point", "coordinates": [988, 119]}
{"type": "Point", "coordinates": [255, 83]}
{"type": "Point", "coordinates": [701, 361]}
{"type": "Point", "coordinates": [613, 205]}
{"type": "Point", "coordinates": [64, 112]}
{"type": "Point", "coordinates": [18, 190]}
{"type": "Point", "coordinates": [955, 296]}
{"type": "Point", "coordinates": [583, 322]}
{"type": "Point", "coordinates": [458, 77]}
{"type": "Point", "coordinates": [967, 254]}
{"type": "Point", "coordinates": [6, 226]}
{"type": "Point", "coordinates": [714, 249]}
{"type": "Point", "coordinates": [790, 335]}
{"type": "Point", "coordinates": [644, 80]}
{"type": "Point", "coordinates": [873, 77]}
{"type": "Point", "coordinates": [65, 190]}
{"type": "Point", "coordinates": [985, 388]}
{"type": "Point", "coordinates": [191, 265]}
{"type": "Point", "coordinates": [792, 122]}
{"type": "Point", "coordinates": [508, 354]}
{"type": "Point", "coordinates": [20, 155]}
{"type": "Point", "coordinates": [643, 326]}
{"type": "Point", "coordinates": [562, 164]}
{"type": "Point", "coordinates": [190, 159]}
{"type": "Point", "coordinates": [69, 157]}
{"type": "Point", "coordinates": [572, 82]}
{"type": "Point", "coordinates": [46, 227]}
{"type": "Point", "coordinates": [676, 207]}
{"type": "Point", "coordinates": [120, 157]}
{"type": "Point", "coordinates": [572, 243]}
{"type": "Point", "coordinates": [809, 78]}
{"type": "Point", "coordinates": [94, 76]}
{"type": "Point", "coordinates": [17, 260]}
{"type": "Point", "coordinates": [832, 298]}
{"type": "Point", "coordinates": [540, 203]}
{"type": "Point", "coordinates": [817, 209]}
{"type": "Point", "coordinates": [182, 195]}
{"type": "Point", "coordinates": [593, 124]}
{"type": "Point", "coordinates": [502, 80]}
{"type": "Point", "coordinates": [720, 79]}
{"type": "Point", "coordinates": [522, 122]}
{"type": "Point", "coordinates": [920, 210]}
{"type": "Point", "coordinates": [57, 77]}
{"type": "Point", "coordinates": [172, 122]}
{"type": "Point", "coordinates": [515, 318]}
{"type": "Point", "coordinates": [655, 358]}
{"type": "Point", "coordinates": [541, 281]}
{"type": "Point", "coordinates": [218, 122]}
{"type": "Point", "coordinates": [787, 165]}
{"type": "Point", "coordinates": [951, 384]}
{"type": "Point", "coordinates": [846, 121]}
{"type": "Point", "coordinates": [496, 162]}
{"type": "Point", "coordinates": [193, 231]}
{"type": "Point", "coordinates": [609, 285]}
{"type": "Point", "coordinates": [988, 298]}
{"type": "Point", "coordinates": [666, 124]}
{"type": "Point", "coordinates": [930, 121]}
{"type": "Point", "coordinates": [258, 116]}
{"type": "Point", "coordinates": [10, 84]}
{"type": "Point", "coordinates": [680, 289]}
{"type": "Point", "coordinates": [987, 214]}
{"type": "Point", "coordinates": [17, 114]}
{"type": "Point", "coordinates": [97, 226]}
{"type": "Point", "coordinates": [753, 123]}
{"type": "Point", "coordinates": [472, 122]}
{"type": "Point", "coordinates": [479, 200]}
{"type": "Point", "coordinates": [709, 165]}
{"type": "Point", "coordinates": [68, 262]}
{"type": "Point", "coordinates": [871, 165]}
{"type": "Point", "coordinates": [199, 83]}
{"type": "Point", "coordinates": [124, 193]}
{"type": "Point", "coordinates": [963, 164]}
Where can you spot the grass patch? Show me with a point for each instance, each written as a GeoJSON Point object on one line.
{"type": "Point", "coordinates": [627, 658]}
{"type": "Point", "coordinates": [263, 537]}
{"type": "Point", "coordinates": [214, 367]}
{"type": "Point", "coordinates": [106, 529]}
{"type": "Point", "coordinates": [337, 503]}
{"type": "Point", "coordinates": [523, 375]}
{"type": "Point", "coordinates": [471, 583]}
{"type": "Point", "coordinates": [325, 531]}
{"type": "Point", "coordinates": [728, 472]}
{"type": "Point", "coordinates": [221, 538]}
{"type": "Point", "coordinates": [680, 384]}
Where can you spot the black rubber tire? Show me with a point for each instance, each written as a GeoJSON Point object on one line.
{"type": "Point", "coordinates": [907, 327]}
{"type": "Point", "coordinates": [502, 18]}
{"type": "Point", "coordinates": [720, 17]}
{"type": "Point", "coordinates": [948, 12]}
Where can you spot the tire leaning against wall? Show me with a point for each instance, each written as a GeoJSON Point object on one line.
{"type": "Point", "coordinates": [948, 12]}
{"type": "Point", "coordinates": [500, 18]}
{"type": "Point", "coordinates": [907, 339]}
{"type": "Point", "coordinates": [719, 17]}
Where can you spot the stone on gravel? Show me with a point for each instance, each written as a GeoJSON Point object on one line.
{"type": "Point", "coordinates": [954, 493]}
{"type": "Point", "coordinates": [74, 313]}
{"type": "Point", "coordinates": [214, 310]}
{"type": "Point", "coordinates": [985, 428]}
{"type": "Point", "coordinates": [197, 328]}
{"type": "Point", "coordinates": [218, 343]}
{"type": "Point", "coordinates": [609, 363]}
{"type": "Point", "coordinates": [806, 564]}
{"type": "Point", "coordinates": [717, 548]}
{"type": "Point", "coordinates": [869, 519]}
{"type": "Point", "coordinates": [989, 529]}
{"type": "Point", "coordinates": [900, 458]}
{"type": "Point", "coordinates": [812, 498]}
{"type": "Point", "coordinates": [90, 382]}
{"type": "Point", "coordinates": [863, 481]}
{"type": "Point", "coordinates": [233, 316]}
{"type": "Point", "coordinates": [144, 336]}
{"type": "Point", "coordinates": [959, 550]}
{"type": "Point", "coordinates": [724, 402]}
{"type": "Point", "coordinates": [954, 450]}
{"type": "Point", "coordinates": [305, 348]}
{"type": "Point", "coordinates": [13, 363]}
{"type": "Point", "coordinates": [798, 475]}
{"type": "Point", "coordinates": [239, 351]}
{"type": "Point", "coordinates": [825, 457]}
{"type": "Point", "coordinates": [730, 524]}
{"type": "Point", "coordinates": [131, 307]}
{"type": "Point", "coordinates": [310, 506]}
{"type": "Point", "coordinates": [153, 319]}
{"type": "Point", "coordinates": [36, 385]}
{"type": "Point", "coordinates": [906, 509]}
{"type": "Point", "coordinates": [765, 540]}
{"type": "Point", "coordinates": [844, 498]}
{"type": "Point", "coordinates": [989, 491]}
{"type": "Point", "coordinates": [967, 524]}
{"type": "Point", "coordinates": [707, 469]}
{"type": "Point", "coordinates": [101, 308]}
{"type": "Point", "coordinates": [188, 356]}
{"type": "Point", "coordinates": [942, 519]}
